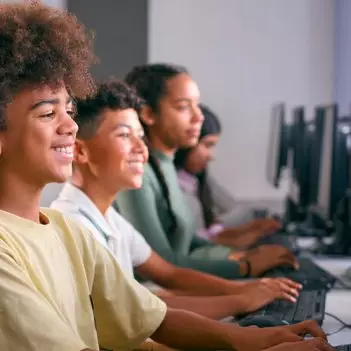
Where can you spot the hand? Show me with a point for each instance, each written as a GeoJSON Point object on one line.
{"type": "Point", "coordinates": [266, 257]}
{"type": "Point", "coordinates": [265, 291]}
{"type": "Point", "coordinates": [266, 225]}
{"type": "Point", "coordinates": [254, 339]}
{"type": "Point", "coordinates": [316, 344]}
{"type": "Point", "coordinates": [239, 241]}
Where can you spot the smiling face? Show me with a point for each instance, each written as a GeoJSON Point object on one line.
{"type": "Point", "coordinates": [179, 118]}
{"type": "Point", "coordinates": [116, 154]}
{"type": "Point", "coordinates": [37, 144]}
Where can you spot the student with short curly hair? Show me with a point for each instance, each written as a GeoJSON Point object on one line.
{"type": "Point", "coordinates": [59, 288]}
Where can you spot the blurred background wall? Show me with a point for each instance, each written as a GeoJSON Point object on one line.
{"type": "Point", "coordinates": [245, 56]}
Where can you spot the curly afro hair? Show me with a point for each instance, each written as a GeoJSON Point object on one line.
{"type": "Point", "coordinates": [114, 95]}
{"type": "Point", "coordinates": [40, 45]}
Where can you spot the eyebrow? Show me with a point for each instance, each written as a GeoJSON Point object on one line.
{"type": "Point", "coordinates": [121, 125]}
{"type": "Point", "coordinates": [51, 102]}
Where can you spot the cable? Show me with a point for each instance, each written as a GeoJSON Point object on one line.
{"type": "Point", "coordinates": [344, 325]}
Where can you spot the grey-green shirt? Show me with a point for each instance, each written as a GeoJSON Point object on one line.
{"type": "Point", "coordinates": [146, 209]}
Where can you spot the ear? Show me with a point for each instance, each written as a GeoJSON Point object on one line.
{"type": "Point", "coordinates": [81, 153]}
{"type": "Point", "coordinates": [147, 116]}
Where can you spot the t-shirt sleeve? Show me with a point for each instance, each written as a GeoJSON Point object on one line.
{"type": "Point", "coordinates": [125, 312]}
{"type": "Point", "coordinates": [140, 250]}
{"type": "Point", "coordinates": [27, 320]}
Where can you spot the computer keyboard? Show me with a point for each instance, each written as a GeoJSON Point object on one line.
{"type": "Point", "coordinates": [310, 275]}
{"type": "Point", "coordinates": [310, 305]}
{"type": "Point", "coordinates": [343, 348]}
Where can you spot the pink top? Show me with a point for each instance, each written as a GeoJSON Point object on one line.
{"type": "Point", "coordinates": [189, 184]}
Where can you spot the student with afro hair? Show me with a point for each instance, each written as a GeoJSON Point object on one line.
{"type": "Point", "coordinates": [60, 290]}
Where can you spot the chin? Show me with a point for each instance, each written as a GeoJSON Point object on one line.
{"type": "Point", "coordinates": [190, 142]}
{"type": "Point", "coordinates": [62, 175]}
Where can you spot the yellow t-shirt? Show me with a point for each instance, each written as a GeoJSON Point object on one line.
{"type": "Point", "coordinates": [60, 290]}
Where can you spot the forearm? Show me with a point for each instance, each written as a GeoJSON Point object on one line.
{"type": "Point", "coordinates": [185, 330]}
{"type": "Point", "coordinates": [197, 283]}
{"type": "Point", "coordinates": [215, 307]}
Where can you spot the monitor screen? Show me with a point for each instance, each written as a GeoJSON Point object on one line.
{"type": "Point", "coordinates": [278, 145]}
{"type": "Point", "coordinates": [326, 162]}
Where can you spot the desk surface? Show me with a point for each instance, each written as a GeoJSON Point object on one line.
{"type": "Point", "coordinates": [338, 302]}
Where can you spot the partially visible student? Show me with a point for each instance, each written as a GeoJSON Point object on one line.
{"type": "Point", "coordinates": [158, 210]}
{"type": "Point", "coordinates": [59, 288]}
{"type": "Point", "coordinates": [109, 157]}
{"type": "Point", "coordinates": [204, 194]}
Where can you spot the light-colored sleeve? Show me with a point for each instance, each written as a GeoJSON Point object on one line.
{"type": "Point", "coordinates": [222, 200]}
{"type": "Point", "coordinates": [27, 321]}
{"type": "Point", "coordinates": [139, 248]}
{"type": "Point", "coordinates": [125, 312]}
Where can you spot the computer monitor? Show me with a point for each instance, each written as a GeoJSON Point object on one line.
{"type": "Point", "coordinates": [298, 163]}
{"type": "Point", "coordinates": [315, 153]}
{"type": "Point", "coordinates": [331, 180]}
{"type": "Point", "coordinates": [278, 145]}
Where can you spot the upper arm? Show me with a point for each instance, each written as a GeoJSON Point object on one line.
{"type": "Point", "coordinates": [156, 269]}
{"type": "Point", "coordinates": [27, 320]}
{"type": "Point", "coordinates": [221, 199]}
{"type": "Point", "coordinates": [125, 312]}
{"type": "Point", "coordinates": [139, 207]}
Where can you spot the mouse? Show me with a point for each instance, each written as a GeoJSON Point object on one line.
{"type": "Point", "coordinates": [262, 321]}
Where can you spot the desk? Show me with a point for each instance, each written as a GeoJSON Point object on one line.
{"type": "Point", "coordinates": [338, 301]}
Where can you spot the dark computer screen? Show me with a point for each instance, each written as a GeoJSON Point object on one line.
{"type": "Point", "coordinates": [333, 175]}
{"type": "Point", "coordinates": [278, 145]}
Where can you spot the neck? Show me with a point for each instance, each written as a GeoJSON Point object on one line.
{"type": "Point", "coordinates": [159, 145]}
{"type": "Point", "coordinates": [94, 189]}
{"type": "Point", "coordinates": [20, 198]}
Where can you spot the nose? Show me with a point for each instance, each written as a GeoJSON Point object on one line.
{"type": "Point", "coordinates": [139, 146]}
{"type": "Point", "coordinates": [197, 115]}
{"type": "Point", "coordinates": [67, 125]}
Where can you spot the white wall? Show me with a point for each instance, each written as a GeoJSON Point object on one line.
{"type": "Point", "coordinates": [246, 55]}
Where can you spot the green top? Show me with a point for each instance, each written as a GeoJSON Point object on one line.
{"type": "Point", "coordinates": [146, 209]}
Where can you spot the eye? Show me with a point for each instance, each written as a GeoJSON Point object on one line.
{"type": "Point", "coordinates": [124, 135]}
{"type": "Point", "coordinates": [48, 115]}
{"type": "Point", "coordinates": [71, 113]}
{"type": "Point", "coordinates": [183, 107]}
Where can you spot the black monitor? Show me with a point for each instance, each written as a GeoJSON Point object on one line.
{"type": "Point", "coordinates": [329, 179]}
{"type": "Point", "coordinates": [278, 145]}
{"type": "Point", "coordinates": [299, 160]}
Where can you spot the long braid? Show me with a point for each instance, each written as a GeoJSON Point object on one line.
{"type": "Point", "coordinates": [150, 83]}
{"type": "Point", "coordinates": [153, 161]}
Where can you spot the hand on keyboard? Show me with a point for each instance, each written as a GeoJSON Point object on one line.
{"type": "Point", "coordinates": [267, 257]}
{"type": "Point", "coordinates": [316, 344]}
{"type": "Point", "coordinates": [255, 339]}
{"type": "Point", "coordinates": [265, 291]}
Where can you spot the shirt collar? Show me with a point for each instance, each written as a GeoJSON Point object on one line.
{"type": "Point", "coordinates": [86, 207]}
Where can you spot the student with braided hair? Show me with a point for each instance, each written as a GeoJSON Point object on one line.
{"type": "Point", "coordinates": [172, 119]}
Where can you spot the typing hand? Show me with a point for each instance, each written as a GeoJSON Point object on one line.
{"type": "Point", "coordinates": [316, 344]}
{"type": "Point", "coordinates": [266, 225]}
{"type": "Point", "coordinates": [256, 297]}
{"type": "Point", "coordinates": [254, 339]}
{"type": "Point", "coordinates": [267, 257]}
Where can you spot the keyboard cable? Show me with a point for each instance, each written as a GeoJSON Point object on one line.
{"type": "Point", "coordinates": [344, 325]}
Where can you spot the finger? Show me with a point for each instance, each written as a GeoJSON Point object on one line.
{"type": "Point", "coordinates": [320, 344]}
{"type": "Point", "coordinates": [290, 291]}
{"type": "Point", "coordinates": [291, 258]}
{"type": "Point", "coordinates": [287, 296]}
{"type": "Point", "coordinates": [308, 327]}
{"type": "Point", "coordinates": [290, 283]}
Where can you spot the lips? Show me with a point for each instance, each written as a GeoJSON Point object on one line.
{"type": "Point", "coordinates": [68, 150]}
